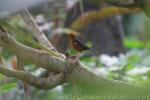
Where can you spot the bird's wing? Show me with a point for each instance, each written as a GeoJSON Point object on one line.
{"type": "Point", "coordinates": [82, 44]}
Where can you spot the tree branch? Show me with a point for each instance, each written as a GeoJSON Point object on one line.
{"type": "Point", "coordinates": [40, 58]}
{"type": "Point", "coordinates": [38, 34]}
{"type": "Point", "coordinates": [42, 83]}
{"type": "Point", "coordinates": [32, 26]}
{"type": "Point", "coordinates": [20, 66]}
{"type": "Point", "coordinates": [124, 7]}
{"type": "Point", "coordinates": [73, 71]}
{"type": "Point", "coordinates": [90, 17]}
{"type": "Point", "coordinates": [144, 4]}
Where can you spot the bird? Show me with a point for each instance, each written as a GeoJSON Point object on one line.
{"type": "Point", "coordinates": [77, 44]}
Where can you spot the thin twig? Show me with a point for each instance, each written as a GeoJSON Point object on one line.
{"type": "Point", "coordinates": [25, 85]}
{"type": "Point", "coordinates": [81, 6]}
{"type": "Point", "coordinates": [38, 34]}
{"type": "Point", "coordinates": [32, 26]}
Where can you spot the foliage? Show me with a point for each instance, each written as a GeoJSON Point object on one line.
{"type": "Point", "coordinates": [7, 87]}
{"type": "Point", "coordinates": [132, 66]}
{"type": "Point", "coordinates": [133, 43]}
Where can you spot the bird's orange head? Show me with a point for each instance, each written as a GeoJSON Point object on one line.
{"type": "Point", "coordinates": [72, 36]}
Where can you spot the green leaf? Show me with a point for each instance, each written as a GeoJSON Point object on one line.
{"type": "Point", "coordinates": [7, 87]}
{"type": "Point", "coordinates": [72, 52]}
{"type": "Point", "coordinates": [133, 43]}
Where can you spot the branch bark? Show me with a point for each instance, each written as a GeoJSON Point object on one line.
{"type": "Point", "coordinates": [144, 4]}
{"type": "Point", "coordinates": [90, 17]}
{"type": "Point", "coordinates": [122, 7]}
{"type": "Point", "coordinates": [71, 72]}
{"type": "Point", "coordinates": [32, 26]}
{"type": "Point", "coordinates": [42, 83]}
{"type": "Point", "coordinates": [20, 66]}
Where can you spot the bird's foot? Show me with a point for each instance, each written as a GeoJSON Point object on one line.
{"type": "Point", "coordinates": [72, 59]}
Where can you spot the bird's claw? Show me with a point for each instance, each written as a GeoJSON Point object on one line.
{"type": "Point", "coordinates": [72, 59]}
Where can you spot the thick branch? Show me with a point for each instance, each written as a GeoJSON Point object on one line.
{"type": "Point", "coordinates": [42, 83]}
{"type": "Point", "coordinates": [40, 58]}
{"type": "Point", "coordinates": [74, 72]}
{"type": "Point", "coordinates": [93, 16]}
{"type": "Point", "coordinates": [38, 34]}
{"type": "Point", "coordinates": [93, 84]}
{"type": "Point", "coordinates": [145, 5]}
{"type": "Point", "coordinates": [125, 7]}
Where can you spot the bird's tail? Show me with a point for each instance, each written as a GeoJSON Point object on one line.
{"type": "Point", "coordinates": [89, 53]}
{"type": "Point", "coordinates": [93, 51]}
